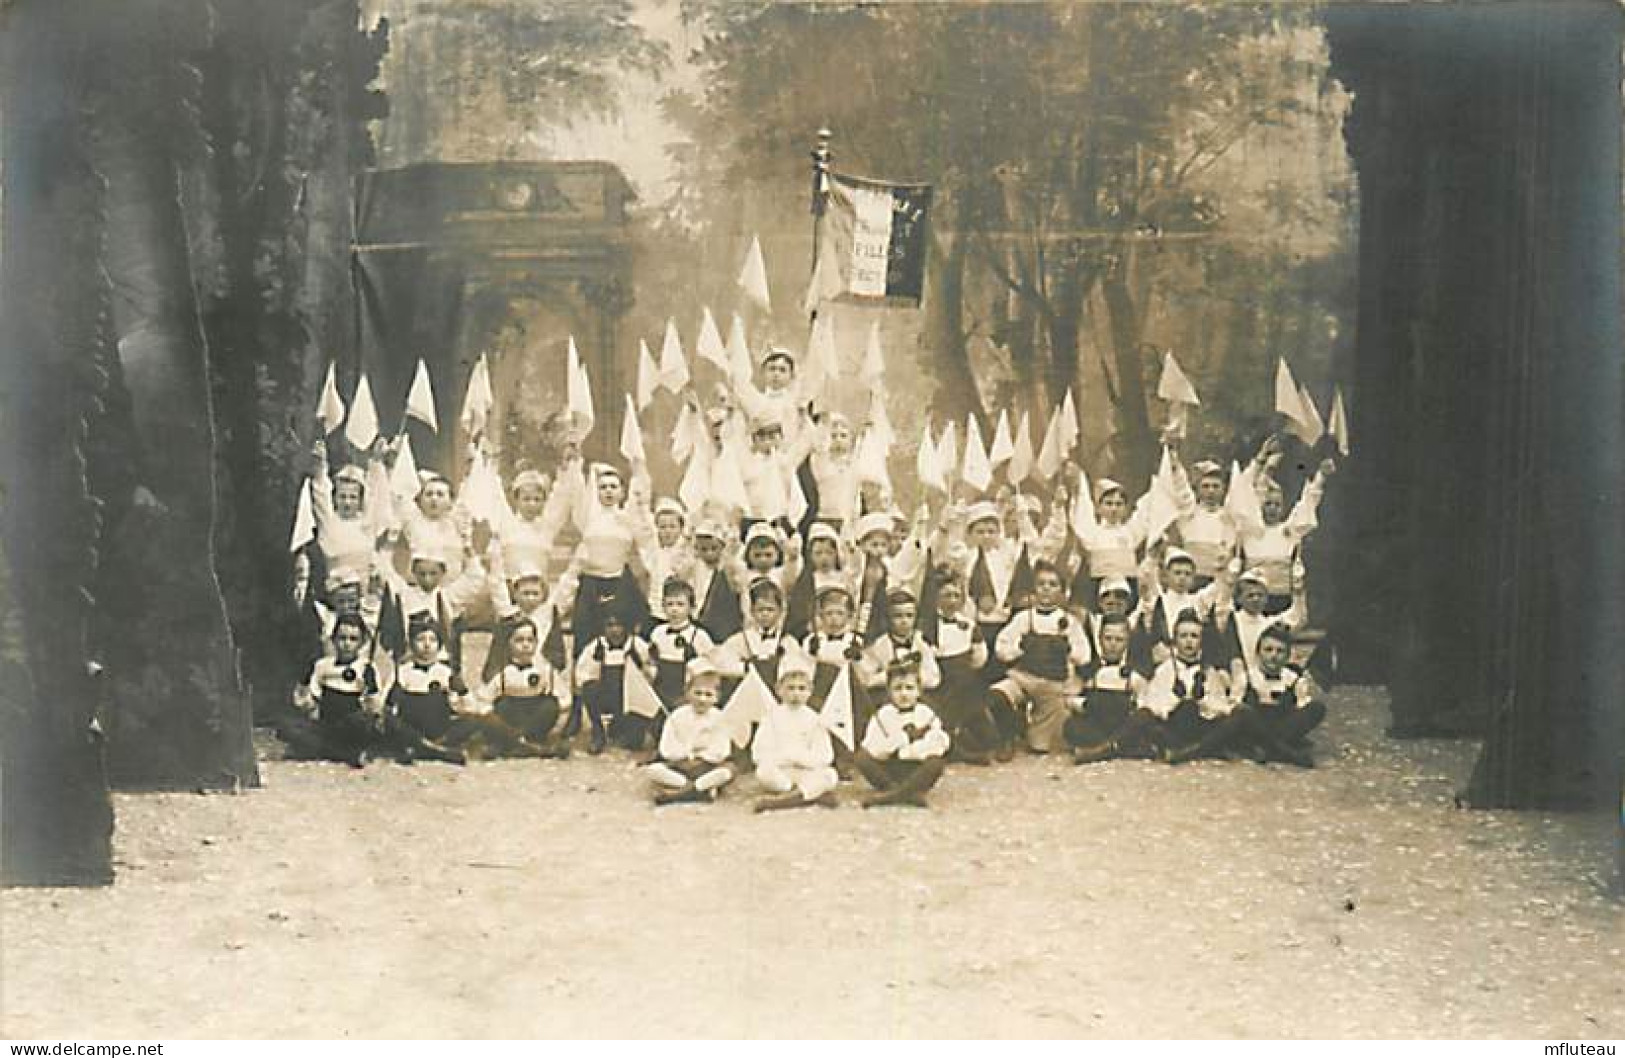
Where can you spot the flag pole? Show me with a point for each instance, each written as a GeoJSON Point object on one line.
{"type": "Point", "coordinates": [820, 186]}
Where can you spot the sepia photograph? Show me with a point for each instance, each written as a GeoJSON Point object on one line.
{"type": "Point", "coordinates": [732, 520]}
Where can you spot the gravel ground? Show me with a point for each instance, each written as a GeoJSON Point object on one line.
{"type": "Point", "coordinates": [1036, 899]}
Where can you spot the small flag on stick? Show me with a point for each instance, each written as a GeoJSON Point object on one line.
{"type": "Point", "coordinates": [648, 375]}
{"type": "Point", "coordinates": [420, 398]}
{"type": "Point", "coordinates": [673, 370]}
{"type": "Point", "coordinates": [1338, 425]}
{"type": "Point", "coordinates": [753, 276]}
{"type": "Point", "coordinates": [330, 408]}
{"type": "Point", "coordinates": [709, 344]}
{"type": "Point", "coordinates": [977, 472]}
{"type": "Point", "coordinates": [631, 434]}
{"type": "Point", "coordinates": [304, 519]}
{"type": "Point", "coordinates": [361, 429]}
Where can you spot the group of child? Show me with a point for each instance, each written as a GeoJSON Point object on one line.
{"type": "Point", "coordinates": [806, 628]}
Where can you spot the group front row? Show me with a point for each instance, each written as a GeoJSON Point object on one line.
{"type": "Point", "coordinates": [934, 688]}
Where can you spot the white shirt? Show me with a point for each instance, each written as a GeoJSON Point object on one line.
{"type": "Point", "coordinates": [1162, 694]}
{"type": "Point", "coordinates": [792, 735]}
{"type": "Point", "coordinates": [691, 735]}
{"type": "Point", "coordinates": [913, 734]}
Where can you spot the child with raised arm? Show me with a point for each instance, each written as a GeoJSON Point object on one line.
{"type": "Point", "coordinates": [695, 744]}
{"type": "Point", "coordinates": [1043, 647]}
{"type": "Point", "coordinates": [904, 750]}
{"type": "Point", "coordinates": [792, 749]}
{"type": "Point", "coordinates": [1270, 538]}
{"type": "Point", "coordinates": [527, 528]}
{"type": "Point", "coordinates": [1206, 529]}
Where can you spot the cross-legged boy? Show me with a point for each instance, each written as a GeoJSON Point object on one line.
{"type": "Point", "coordinates": [1282, 704]}
{"type": "Point", "coordinates": [695, 743]}
{"type": "Point", "coordinates": [1101, 719]}
{"type": "Point", "coordinates": [792, 750]}
{"type": "Point", "coordinates": [1189, 698]}
{"type": "Point", "coordinates": [904, 747]}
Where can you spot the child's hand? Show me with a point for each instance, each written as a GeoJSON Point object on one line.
{"type": "Point", "coordinates": [480, 536]}
{"type": "Point", "coordinates": [1328, 467]}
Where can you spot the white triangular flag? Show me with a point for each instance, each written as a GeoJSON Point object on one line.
{"type": "Point", "coordinates": [798, 505]}
{"type": "Point", "coordinates": [1021, 456]}
{"type": "Point", "coordinates": [823, 365]}
{"type": "Point", "coordinates": [578, 391]}
{"type": "Point", "coordinates": [873, 372]}
{"type": "Point", "coordinates": [948, 455]}
{"type": "Point", "coordinates": [481, 491]}
{"type": "Point", "coordinates": [1068, 429]}
{"type": "Point", "coordinates": [1162, 502]}
{"type": "Point", "coordinates": [740, 364]}
{"type": "Point", "coordinates": [879, 422]}
{"type": "Point", "coordinates": [709, 345]}
{"type": "Point", "coordinates": [673, 371]}
{"type": "Point", "coordinates": [648, 375]}
{"type": "Point", "coordinates": [403, 475]}
{"type": "Point", "coordinates": [686, 434]}
{"type": "Point", "coordinates": [1338, 424]}
{"type": "Point", "coordinates": [1174, 387]}
{"type": "Point", "coordinates": [836, 712]}
{"type": "Point", "coordinates": [753, 276]}
{"type": "Point", "coordinates": [304, 519]}
{"type": "Point", "coordinates": [361, 429]}
{"type": "Point", "coordinates": [695, 488]}
{"type": "Point", "coordinates": [631, 434]}
{"type": "Point", "coordinates": [638, 698]}
{"type": "Point", "coordinates": [926, 466]}
{"type": "Point", "coordinates": [1050, 453]}
{"type": "Point", "coordinates": [420, 398]}
{"type": "Point", "coordinates": [1289, 398]}
{"type": "Point", "coordinates": [477, 399]}
{"type": "Point", "coordinates": [330, 408]}
{"type": "Point", "coordinates": [1313, 428]}
{"type": "Point", "coordinates": [1004, 446]}
{"type": "Point", "coordinates": [977, 472]}
{"type": "Point", "coordinates": [747, 706]}
{"type": "Point", "coordinates": [869, 461]}
{"type": "Point", "coordinates": [727, 484]}
{"type": "Point", "coordinates": [1241, 497]}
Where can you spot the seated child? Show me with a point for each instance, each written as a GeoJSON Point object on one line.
{"type": "Point", "coordinates": [529, 600]}
{"type": "Point", "coordinates": [961, 654]}
{"type": "Point", "coordinates": [1043, 646]}
{"type": "Point", "coordinates": [601, 682]}
{"type": "Point", "coordinates": [1195, 716]}
{"type": "Point", "coordinates": [903, 642]}
{"type": "Point", "coordinates": [418, 715]}
{"type": "Point", "coordinates": [1282, 703]}
{"type": "Point", "coordinates": [695, 744]}
{"type": "Point", "coordinates": [904, 747]}
{"type": "Point", "coordinates": [759, 645]}
{"type": "Point", "coordinates": [1099, 723]}
{"type": "Point", "coordinates": [714, 591]}
{"type": "Point", "coordinates": [341, 699]}
{"type": "Point", "coordinates": [792, 749]}
{"type": "Point", "coordinates": [676, 642]}
{"type": "Point", "coordinates": [514, 714]}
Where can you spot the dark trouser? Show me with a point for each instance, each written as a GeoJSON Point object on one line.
{"type": "Point", "coordinates": [512, 723]}
{"type": "Point", "coordinates": [605, 702]}
{"type": "Point", "coordinates": [962, 701]}
{"type": "Point", "coordinates": [341, 731]}
{"type": "Point", "coordinates": [1276, 727]}
{"type": "Point", "coordinates": [905, 778]}
{"type": "Point", "coordinates": [1100, 722]}
{"type": "Point", "coordinates": [1009, 723]}
{"type": "Point", "coordinates": [1186, 734]}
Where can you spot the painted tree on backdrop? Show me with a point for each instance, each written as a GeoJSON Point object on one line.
{"type": "Point", "coordinates": [1073, 147]}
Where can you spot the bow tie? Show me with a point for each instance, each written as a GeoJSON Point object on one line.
{"type": "Point", "coordinates": [422, 666]}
